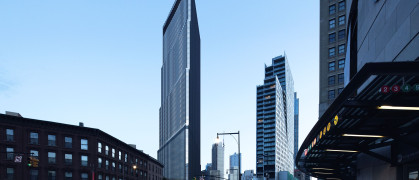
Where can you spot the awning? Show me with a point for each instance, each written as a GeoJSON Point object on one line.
{"type": "Point", "coordinates": [378, 108]}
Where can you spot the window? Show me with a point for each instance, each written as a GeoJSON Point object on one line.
{"type": "Point", "coordinates": [10, 173]}
{"type": "Point", "coordinates": [341, 63]}
{"type": "Point", "coordinates": [331, 94]}
{"type": "Point", "coordinates": [84, 176]}
{"type": "Point", "coordinates": [106, 150]}
{"type": "Point", "coordinates": [331, 80]}
{"type": "Point", "coordinates": [99, 147]}
{"type": "Point", "coordinates": [83, 143]}
{"type": "Point", "coordinates": [84, 160]}
{"type": "Point", "coordinates": [332, 9]}
{"type": "Point", "coordinates": [113, 166]}
{"type": "Point", "coordinates": [68, 142]}
{"type": "Point", "coordinates": [120, 168]}
{"type": "Point", "coordinates": [10, 135]}
{"type": "Point", "coordinates": [107, 165]}
{"type": "Point", "coordinates": [99, 177]}
{"type": "Point", "coordinates": [68, 175]}
{"type": "Point", "coordinates": [332, 52]}
{"type": "Point", "coordinates": [10, 154]}
{"type": "Point", "coordinates": [340, 90]}
{"type": "Point", "coordinates": [51, 140]}
{"type": "Point", "coordinates": [341, 34]}
{"type": "Point", "coordinates": [331, 66]}
{"type": "Point", "coordinates": [120, 155]}
{"type": "Point", "coordinates": [342, 20]}
{"type": "Point", "coordinates": [113, 152]}
{"type": "Point", "coordinates": [340, 78]}
{"type": "Point", "coordinates": [332, 37]}
{"type": "Point", "coordinates": [126, 157]}
{"type": "Point", "coordinates": [342, 5]}
{"type": "Point", "coordinates": [341, 48]}
{"type": "Point", "coordinates": [34, 153]}
{"type": "Point", "coordinates": [33, 174]}
{"type": "Point", "coordinates": [51, 157]}
{"type": "Point", "coordinates": [99, 162]}
{"type": "Point", "coordinates": [33, 138]}
{"type": "Point", "coordinates": [51, 175]}
{"type": "Point", "coordinates": [332, 23]}
{"type": "Point", "coordinates": [68, 159]}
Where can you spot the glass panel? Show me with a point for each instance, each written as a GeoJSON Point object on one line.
{"type": "Point", "coordinates": [33, 138]}
{"type": "Point", "coordinates": [34, 153]}
{"type": "Point", "coordinates": [68, 159]}
{"type": "Point", "coordinates": [51, 175]}
{"type": "Point", "coordinates": [51, 140]}
{"type": "Point", "coordinates": [332, 9]}
{"type": "Point", "coordinates": [10, 173]}
{"type": "Point", "coordinates": [68, 142]}
{"type": "Point", "coordinates": [10, 154]}
{"type": "Point", "coordinates": [68, 175]}
{"type": "Point", "coordinates": [9, 134]}
{"type": "Point", "coordinates": [84, 144]}
{"type": "Point", "coordinates": [51, 157]}
{"type": "Point", "coordinates": [33, 174]}
{"type": "Point", "coordinates": [84, 160]}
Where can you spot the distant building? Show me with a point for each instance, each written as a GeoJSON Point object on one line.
{"type": "Point", "coordinates": [234, 160]}
{"type": "Point", "coordinates": [218, 158]}
{"type": "Point", "coordinates": [68, 152]}
{"type": "Point", "coordinates": [296, 121]}
{"type": "Point", "coordinates": [248, 175]}
{"type": "Point", "coordinates": [234, 167]}
{"type": "Point", "coordinates": [275, 120]}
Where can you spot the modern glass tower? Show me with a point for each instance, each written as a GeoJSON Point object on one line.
{"type": "Point", "coordinates": [180, 94]}
{"type": "Point", "coordinates": [296, 115]}
{"type": "Point", "coordinates": [275, 120]}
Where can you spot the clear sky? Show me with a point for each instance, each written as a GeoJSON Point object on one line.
{"type": "Point", "coordinates": [99, 61]}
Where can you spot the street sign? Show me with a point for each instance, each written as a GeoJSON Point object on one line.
{"type": "Point", "coordinates": [416, 87]}
{"type": "Point", "coordinates": [406, 88]}
{"type": "Point", "coordinates": [18, 159]}
{"type": "Point", "coordinates": [385, 89]}
{"type": "Point", "coordinates": [395, 88]}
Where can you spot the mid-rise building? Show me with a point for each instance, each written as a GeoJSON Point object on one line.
{"type": "Point", "coordinates": [68, 152]}
{"type": "Point", "coordinates": [179, 137]}
{"type": "Point", "coordinates": [218, 158]}
{"type": "Point", "coordinates": [275, 120]}
{"type": "Point", "coordinates": [332, 51]}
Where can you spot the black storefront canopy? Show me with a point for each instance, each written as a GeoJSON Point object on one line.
{"type": "Point", "coordinates": [379, 108]}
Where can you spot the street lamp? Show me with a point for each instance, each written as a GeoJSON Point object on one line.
{"type": "Point", "coordinates": [238, 143]}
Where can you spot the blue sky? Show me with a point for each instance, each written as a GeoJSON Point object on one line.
{"type": "Point", "coordinates": [98, 62]}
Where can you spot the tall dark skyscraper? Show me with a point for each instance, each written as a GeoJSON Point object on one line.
{"type": "Point", "coordinates": [180, 109]}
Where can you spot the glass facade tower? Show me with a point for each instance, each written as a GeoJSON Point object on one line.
{"type": "Point", "coordinates": [275, 120]}
{"type": "Point", "coordinates": [179, 136]}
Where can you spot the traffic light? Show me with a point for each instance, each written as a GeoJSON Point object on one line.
{"type": "Point", "coordinates": [35, 162]}
{"type": "Point", "coordinates": [29, 161]}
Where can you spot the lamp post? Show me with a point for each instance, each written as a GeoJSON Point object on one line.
{"type": "Point", "coordinates": [238, 143]}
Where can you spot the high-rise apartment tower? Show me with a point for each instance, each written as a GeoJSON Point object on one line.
{"type": "Point", "coordinates": [180, 94]}
{"type": "Point", "coordinates": [275, 120]}
{"type": "Point", "coordinates": [332, 51]}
